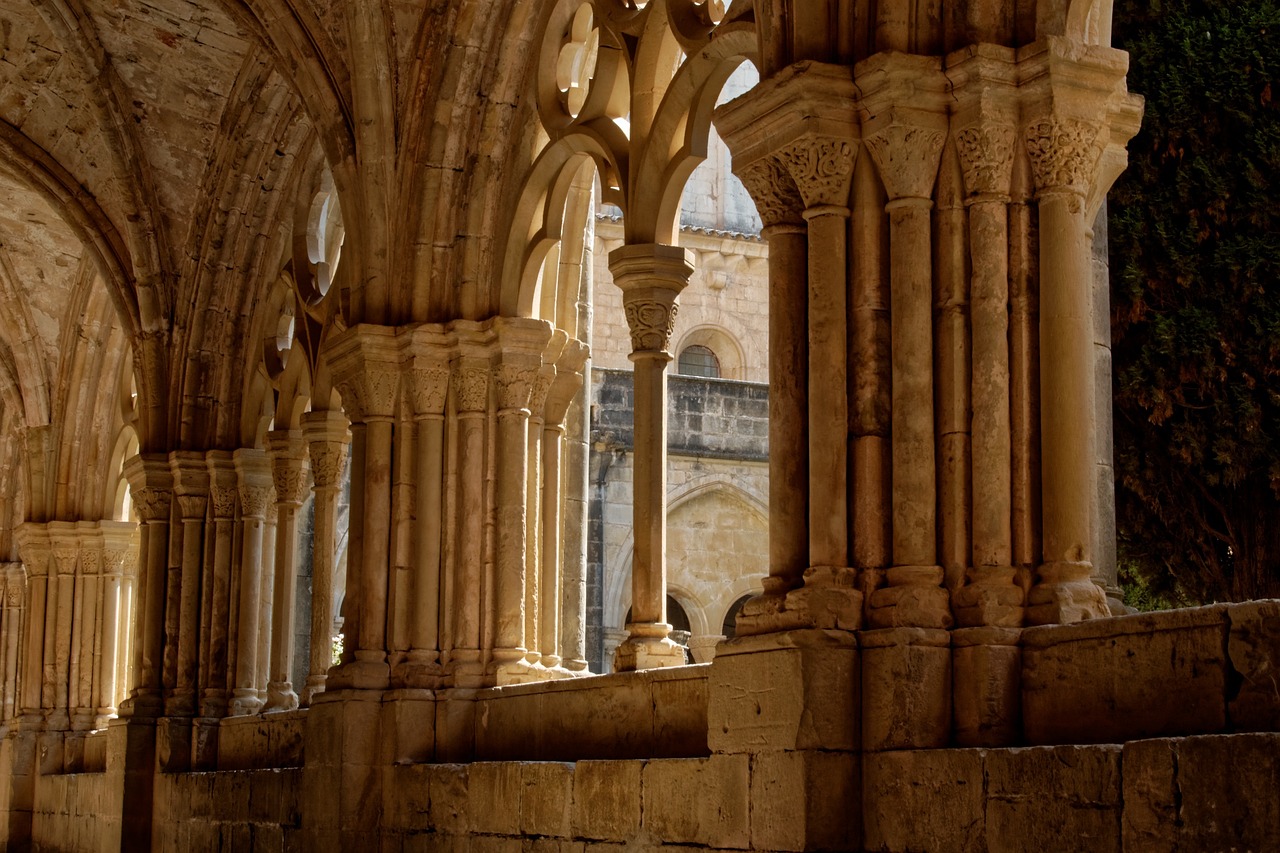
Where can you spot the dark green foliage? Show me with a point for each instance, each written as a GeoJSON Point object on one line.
{"type": "Point", "coordinates": [1195, 263]}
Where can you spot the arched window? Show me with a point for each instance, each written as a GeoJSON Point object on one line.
{"type": "Point", "coordinates": [697, 360]}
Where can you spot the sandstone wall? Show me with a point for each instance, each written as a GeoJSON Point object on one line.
{"type": "Point", "coordinates": [254, 810]}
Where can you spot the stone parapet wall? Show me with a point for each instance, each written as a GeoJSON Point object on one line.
{"type": "Point", "coordinates": [76, 812]}
{"type": "Point", "coordinates": [257, 810]}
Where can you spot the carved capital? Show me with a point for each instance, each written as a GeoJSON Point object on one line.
{"type": "Point", "coordinates": [371, 393]}
{"type": "Point", "coordinates": [224, 501]}
{"type": "Point", "coordinates": [1064, 153]}
{"type": "Point", "coordinates": [113, 561]}
{"type": "Point", "coordinates": [91, 560]}
{"type": "Point", "coordinates": [289, 477]}
{"type": "Point", "coordinates": [651, 321]}
{"type": "Point", "coordinates": [152, 504]}
{"type": "Point", "coordinates": [471, 384]}
{"type": "Point", "coordinates": [65, 559]}
{"type": "Point", "coordinates": [515, 385]}
{"type": "Point", "coordinates": [541, 388]}
{"type": "Point", "coordinates": [907, 155]}
{"type": "Point", "coordinates": [254, 500]}
{"type": "Point", "coordinates": [822, 169]}
{"type": "Point", "coordinates": [327, 461]}
{"type": "Point", "coordinates": [429, 388]}
{"type": "Point", "coordinates": [192, 507]}
{"type": "Point", "coordinates": [986, 158]}
{"type": "Point", "coordinates": [13, 595]}
{"type": "Point", "coordinates": [774, 191]}
{"type": "Point", "coordinates": [366, 368]}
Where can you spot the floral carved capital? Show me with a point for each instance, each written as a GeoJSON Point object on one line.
{"type": "Point", "coordinates": [822, 169]}
{"type": "Point", "coordinates": [327, 461]}
{"type": "Point", "coordinates": [774, 191]}
{"type": "Point", "coordinates": [152, 504]}
{"type": "Point", "coordinates": [1064, 153]}
{"type": "Point", "coordinates": [224, 501]}
{"type": "Point", "coordinates": [429, 389]}
{"type": "Point", "coordinates": [986, 158]}
{"type": "Point", "coordinates": [471, 384]}
{"type": "Point", "coordinates": [254, 500]}
{"type": "Point", "coordinates": [907, 157]}
{"type": "Point", "coordinates": [370, 393]}
{"type": "Point", "coordinates": [290, 480]}
{"type": "Point", "coordinates": [652, 323]}
{"type": "Point", "coordinates": [515, 385]}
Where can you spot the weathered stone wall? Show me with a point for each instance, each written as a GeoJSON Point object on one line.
{"type": "Point", "coordinates": [76, 812]}
{"type": "Point", "coordinates": [258, 810]}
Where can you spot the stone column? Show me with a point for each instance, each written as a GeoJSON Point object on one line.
{"type": "Point", "coordinates": [327, 440]}
{"type": "Point", "coordinates": [33, 545]}
{"type": "Point", "coordinates": [223, 492]}
{"type": "Point", "coordinates": [470, 377]}
{"type": "Point", "coordinates": [779, 203]}
{"type": "Point", "coordinates": [520, 345]}
{"type": "Point", "coordinates": [116, 547]}
{"type": "Point", "coordinates": [191, 488]}
{"type": "Point", "coordinates": [87, 654]}
{"type": "Point", "coordinates": [565, 386]}
{"type": "Point", "coordinates": [266, 599]}
{"type": "Point", "coordinates": [366, 366]}
{"type": "Point", "coordinates": [15, 585]}
{"type": "Point", "coordinates": [906, 143]}
{"type": "Point", "coordinates": [1065, 151]}
{"type": "Point", "coordinates": [58, 625]}
{"type": "Point", "coordinates": [651, 278]}
{"type": "Point", "coordinates": [151, 482]}
{"type": "Point", "coordinates": [289, 472]}
{"type": "Point", "coordinates": [534, 600]}
{"type": "Point", "coordinates": [254, 473]}
{"type": "Point", "coordinates": [985, 136]}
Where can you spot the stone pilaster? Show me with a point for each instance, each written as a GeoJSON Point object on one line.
{"type": "Point", "coordinates": [290, 476]}
{"type": "Point", "coordinates": [651, 278]}
{"type": "Point", "coordinates": [904, 131]}
{"type": "Point", "coordinates": [328, 440]}
{"type": "Point", "coordinates": [366, 366]}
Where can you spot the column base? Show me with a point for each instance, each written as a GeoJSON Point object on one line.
{"type": "Point", "coordinates": [648, 647]}
{"type": "Point", "coordinates": [828, 600]}
{"type": "Point", "coordinates": [361, 675]}
{"type": "Point", "coordinates": [418, 673]}
{"type": "Point", "coordinates": [314, 687]}
{"type": "Point", "coordinates": [1065, 593]}
{"type": "Point", "coordinates": [280, 697]}
{"type": "Point", "coordinates": [991, 597]}
{"type": "Point", "coordinates": [986, 686]}
{"type": "Point", "coordinates": [906, 688]}
{"type": "Point", "coordinates": [244, 702]}
{"type": "Point", "coordinates": [915, 598]}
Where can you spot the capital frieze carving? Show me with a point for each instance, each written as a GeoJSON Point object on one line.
{"type": "Point", "coordinates": [986, 158]}
{"type": "Point", "coordinates": [370, 393]}
{"type": "Point", "coordinates": [541, 387]}
{"type": "Point", "coordinates": [515, 385]}
{"type": "Point", "coordinates": [153, 504]}
{"type": "Point", "coordinates": [113, 560]}
{"type": "Point", "coordinates": [327, 461]}
{"type": "Point", "coordinates": [1064, 153]}
{"type": "Point", "coordinates": [224, 501]}
{"type": "Point", "coordinates": [651, 322]}
{"type": "Point", "coordinates": [91, 560]}
{"type": "Point", "coordinates": [774, 191]}
{"type": "Point", "coordinates": [192, 507]}
{"type": "Point", "coordinates": [471, 384]}
{"type": "Point", "coordinates": [907, 156]}
{"type": "Point", "coordinates": [429, 389]}
{"type": "Point", "coordinates": [254, 500]}
{"type": "Point", "coordinates": [13, 596]}
{"type": "Point", "coordinates": [64, 560]}
{"type": "Point", "coordinates": [822, 169]}
{"type": "Point", "coordinates": [290, 480]}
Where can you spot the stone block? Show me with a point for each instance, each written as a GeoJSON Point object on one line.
{"type": "Point", "coordinates": [805, 801]}
{"type": "Point", "coordinates": [508, 727]}
{"type": "Point", "coordinates": [408, 723]}
{"type": "Point", "coordinates": [1253, 647]}
{"type": "Point", "coordinates": [448, 796]}
{"type": "Point", "coordinates": [494, 790]}
{"type": "Point", "coordinates": [679, 714]}
{"type": "Point", "coordinates": [546, 801]}
{"type": "Point", "coordinates": [1111, 680]}
{"type": "Point", "coordinates": [791, 690]}
{"type": "Point", "coordinates": [717, 815]}
{"type": "Point", "coordinates": [455, 727]}
{"type": "Point", "coordinates": [1061, 799]}
{"type": "Point", "coordinates": [1215, 792]}
{"type": "Point", "coordinates": [613, 718]}
{"type": "Point", "coordinates": [924, 800]}
{"type": "Point", "coordinates": [906, 688]}
{"type": "Point", "coordinates": [406, 797]}
{"type": "Point", "coordinates": [986, 696]}
{"type": "Point", "coordinates": [606, 800]}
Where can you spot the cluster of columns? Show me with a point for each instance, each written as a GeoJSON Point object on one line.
{"type": "Point", "coordinates": [67, 672]}
{"type": "Point", "coordinates": [932, 412]}
{"type": "Point", "coordinates": [216, 600]}
{"type": "Point", "coordinates": [456, 571]}
{"type": "Point", "coordinates": [13, 596]}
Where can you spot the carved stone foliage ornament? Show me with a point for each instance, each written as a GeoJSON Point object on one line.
{"type": "Point", "coordinates": [652, 323]}
{"type": "Point", "coordinates": [65, 560]}
{"type": "Point", "coordinates": [224, 501]}
{"type": "Point", "coordinates": [986, 157]}
{"type": "Point", "coordinates": [821, 168]}
{"type": "Point", "coordinates": [430, 388]}
{"type": "Point", "coordinates": [515, 384]}
{"type": "Point", "coordinates": [192, 506]}
{"type": "Point", "coordinates": [290, 480]}
{"type": "Point", "coordinates": [254, 500]}
{"type": "Point", "coordinates": [471, 384]}
{"type": "Point", "coordinates": [370, 393]}
{"type": "Point", "coordinates": [773, 190]}
{"type": "Point", "coordinates": [907, 156]}
{"type": "Point", "coordinates": [1064, 153]}
{"type": "Point", "coordinates": [152, 504]}
{"type": "Point", "coordinates": [327, 459]}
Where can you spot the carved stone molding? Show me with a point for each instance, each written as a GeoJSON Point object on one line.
{"type": "Point", "coordinates": [986, 158]}
{"type": "Point", "coordinates": [1064, 153]}
{"type": "Point", "coordinates": [907, 156]}
{"type": "Point", "coordinates": [822, 169]}
{"type": "Point", "coordinates": [774, 191]}
{"type": "Point", "coordinates": [652, 322]}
